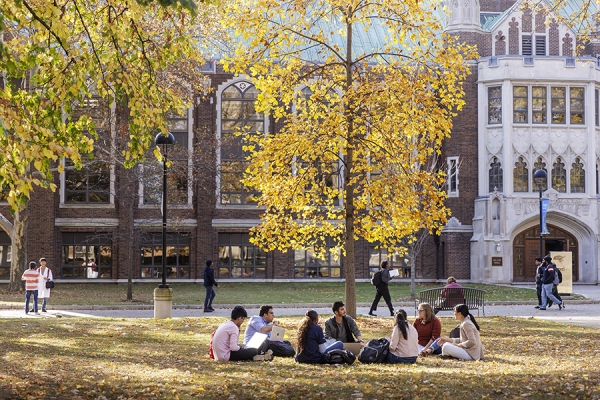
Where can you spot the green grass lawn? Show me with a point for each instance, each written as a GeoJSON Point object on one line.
{"type": "Point", "coordinates": [81, 358]}
{"type": "Point", "coordinates": [244, 293]}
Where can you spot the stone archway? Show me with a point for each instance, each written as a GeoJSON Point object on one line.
{"type": "Point", "coordinates": [526, 247]}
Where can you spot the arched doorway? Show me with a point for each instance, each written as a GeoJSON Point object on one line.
{"type": "Point", "coordinates": [526, 248]}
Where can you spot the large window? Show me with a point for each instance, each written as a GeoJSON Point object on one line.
{"type": "Point", "coordinates": [178, 170]}
{"type": "Point", "coordinates": [237, 113]}
{"type": "Point", "coordinates": [376, 256]}
{"type": "Point", "coordinates": [558, 104]}
{"type": "Point", "coordinates": [577, 177]}
{"type": "Point", "coordinates": [576, 104]}
{"type": "Point", "coordinates": [521, 176]}
{"type": "Point", "coordinates": [452, 172]}
{"type": "Point", "coordinates": [540, 164]}
{"type": "Point", "coordinates": [495, 105]}
{"type": "Point", "coordinates": [178, 255]}
{"type": "Point", "coordinates": [91, 184]}
{"type": "Point", "coordinates": [307, 265]}
{"type": "Point", "coordinates": [5, 255]}
{"type": "Point", "coordinates": [520, 108]}
{"type": "Point", "coordinates": [495, 175]}
{"type": "Point", "coordinates": [539, 104]}
{"type": "Point", "coordinates": [238, 258]}
{"type": "Point", "coordinates": [86, 255]}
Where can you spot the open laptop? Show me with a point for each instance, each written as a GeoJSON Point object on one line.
{"type": "Point", "coordinates": [256, 341]}
{"type": "Point", "coordinates": [277, 333]}
{"type": "Point", "coordinates": [353, 347]}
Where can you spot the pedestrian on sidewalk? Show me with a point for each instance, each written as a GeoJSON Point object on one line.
{"type": "Point", "coordinates": [539, 272]}
{"type": "Point", "coordinates": [31, 277]}
{"type": "Point", "coordinates": [547, 282]}
{"type": "Point", "coordinates": [383, 290]}
{"type": "Point", "coordinates": [45, 276]}
{"type": "Point", "coordinates": [209, 284]}
{"type": "Point", "coordinates": [557, 281]}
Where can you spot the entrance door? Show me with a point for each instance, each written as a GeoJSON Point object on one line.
{"type": "Point", "coordinates": [526, 248]}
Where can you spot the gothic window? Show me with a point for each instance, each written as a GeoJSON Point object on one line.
{"type": "Point", "coordinates": [538, 104]}
{"type": "Point", "coordinates": [558, 104]}
{"type": "Point", "coordinates": [577, 105]}
{"type": "Point", "coordinates": [521, 176]}
{"type": "Point", "coordinates": [237, 114]}
{"type": "Point", "coordinates": [540, 164]}
{"type": "Point", "coordinates": [577, 177]}
{"type": "Point", "coordinates": [496, 179]}
{"type": "Point", "coordinates": [495, 105]}
{"type": "Point", "coordinates": [559, 176]}
{"type": "Point", "coordinates": [520, 104]}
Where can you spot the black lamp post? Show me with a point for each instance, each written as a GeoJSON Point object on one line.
{"type": "Point", "coordinates": [164, 141]}
{"type": "Point", "coordinates": [539, 178]}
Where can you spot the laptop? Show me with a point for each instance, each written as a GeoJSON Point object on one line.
{"type": "Point", "coordinates": [277, 333]}
{"type": "Point", "coordinates": [256, 341]}
{"type": "Point", "coordinates": [355, 348]}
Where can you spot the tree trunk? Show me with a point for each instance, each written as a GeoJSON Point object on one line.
{"type": "Point", "coordinates": [130, 250]}
{"type": "Point", "coordinates": [19, 250]}
{"type": "Point", "coordinates": [349, 192]}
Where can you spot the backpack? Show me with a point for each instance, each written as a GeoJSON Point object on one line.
{"type": "Point", "coordinates": [376, 279]}
{"type": "Point", "coordinates": [557, 276]}
{"type": "Point", "coordinates": [339, 356]}
{"type": "Point", "coordinates": [375, 351]}
{"type": "Point", "coordinates": [211, 353]}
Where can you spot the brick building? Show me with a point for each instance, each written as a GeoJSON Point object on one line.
{"type": "Point", "coordinates": [530, 104]}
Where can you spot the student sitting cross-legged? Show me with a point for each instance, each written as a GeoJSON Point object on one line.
{"type": "Point", "coordinates": [404, 345]}
{"type": "Point", "coordinates": [311, 340]}
{"type": "Point", "coordinates": [225, 340]}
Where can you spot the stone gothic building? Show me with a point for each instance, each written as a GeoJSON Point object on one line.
{"type": "Point", "coordinates": [530, 104]}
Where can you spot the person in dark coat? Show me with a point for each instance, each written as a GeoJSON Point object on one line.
{"type": "Point", "coordinates": [209, 284]}
{"type": "Point", "coordinates": [383, 290]}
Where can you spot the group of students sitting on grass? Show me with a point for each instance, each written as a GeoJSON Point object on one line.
{"type": "Point", "coordinates": [315, 345]}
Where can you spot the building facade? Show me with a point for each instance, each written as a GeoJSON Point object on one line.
{"type": "Point", "coordinates": [530, 104]}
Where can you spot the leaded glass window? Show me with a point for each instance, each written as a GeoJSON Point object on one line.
{"type": "Point", "coordinates": [495, 105]}
{"type": "Point", "coordinates": [539, 104]}
{"type": "Point", "coordinates": [520, 108]}
{"type": "Point", "coordinates": [558, 104]}
{"type": "Point", "coordinates": [577, 177]}
{"type": "Point", "coordinates": [521, 176]}
{"type": "Point", "coordinates": [540, 164]}
{"type": "Point", "coordinates": [496, 179]}
{"type": "Point", "coordinates": [238, 258]}
{"type": "Point", "coordinates": [307, 265]}
{"type": "Point", "coordinates": [559, 176]}
{"type": "Point", "coordinates": [577, 104]}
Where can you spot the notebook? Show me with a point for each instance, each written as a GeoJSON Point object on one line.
{"type": "Point", "coordinates": [256, 341]}
{"type": "Point", "coordinates": [394, 272]}
{"type": "Point", "coordinates": [277, 333]}
{"type": "Point", "coordinates": [353, 347]}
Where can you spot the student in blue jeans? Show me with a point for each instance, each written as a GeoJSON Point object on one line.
{"type": "Point", "coordinates": [209, 283]}
{"type": "Point", "coordinates": [310, 337]}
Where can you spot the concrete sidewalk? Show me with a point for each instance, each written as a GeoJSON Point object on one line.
{"type": "Point", "coordinates": [577, 312]}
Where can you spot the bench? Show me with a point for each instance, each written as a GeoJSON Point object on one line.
{"type": "Point", "coordinates": [444, 299]}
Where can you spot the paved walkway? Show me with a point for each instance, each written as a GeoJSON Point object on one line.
{"type": "Point", "coordinates": [577, 312]}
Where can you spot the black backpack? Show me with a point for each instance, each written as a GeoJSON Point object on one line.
{"type": "Point", "coordinates": [557, 271]}
{"type": "Point", "coordinates": [376, 279]}
{"type": "Point", "coordinates": [375, 351]}
{"type": "Point", "coordinates": [339, 356]}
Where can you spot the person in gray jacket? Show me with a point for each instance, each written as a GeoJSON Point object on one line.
{"type": "Point", "coordinates": [341, 326]}
{"type": "Point", "coordinates": [383, 290]}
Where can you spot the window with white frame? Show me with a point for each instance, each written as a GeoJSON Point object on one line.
{"type": "Point", "coordinates": [495, 105]}
{"type": "Point", "coordinates": [452, 173]}
{"type": "Point", "coordinates": [537, 104]}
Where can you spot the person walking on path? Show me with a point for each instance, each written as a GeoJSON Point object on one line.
{"type": "Point", "coordinates": [557, 281]}
{"type": "Point", "coordinates": [45, 276]}
{"type": "Point", "coordinates": [539, 271]}
{"type": "Point", "coordinates": [31, 277]}
{"type": "Point", "coordinates": [383, 290]}
{"type": "Point", "coordinates": [209, 284]}
{"type": "Point", "coordinates": [547, 282]}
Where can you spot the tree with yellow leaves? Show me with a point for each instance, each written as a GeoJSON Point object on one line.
{"type": "Point", "coordinates": [365, 91]}
{"type": "Point", "coordinates": [56, 55]}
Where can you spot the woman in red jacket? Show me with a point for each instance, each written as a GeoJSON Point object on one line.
{"type": "Point", "coordinates": [428, 327]}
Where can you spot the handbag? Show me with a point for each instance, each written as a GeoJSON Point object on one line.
{"type": "Point", "coordinates": [49, 284]}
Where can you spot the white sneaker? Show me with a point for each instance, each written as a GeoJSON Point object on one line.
{"type": "Point", "coordinates": [269, 355]}
{"type": "Point", "coordinates": [259, 357]}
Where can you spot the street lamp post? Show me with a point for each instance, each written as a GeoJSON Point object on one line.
{"type": "Point", "coordinates": [163, 295]}
{"type": "Point", "coordinates": [539, 177]}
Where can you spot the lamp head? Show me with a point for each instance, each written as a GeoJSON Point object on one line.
{"type": "Point", "coordinates": [539, 177]}
{"type": "Point", "coordinates": [162, 139]}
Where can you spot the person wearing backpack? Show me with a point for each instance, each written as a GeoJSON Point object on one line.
{"type": "Point", "coordinates": [404, 345]}
{"type": "Point", "coordinates": [547, 282]}
{"type": "Point", "coordinates": [381, 283]}
{"type": "Point", "coordinates": [555, 283]}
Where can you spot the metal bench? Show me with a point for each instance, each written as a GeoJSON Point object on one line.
{"type": "Point", "coordinates": [444, 299]}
